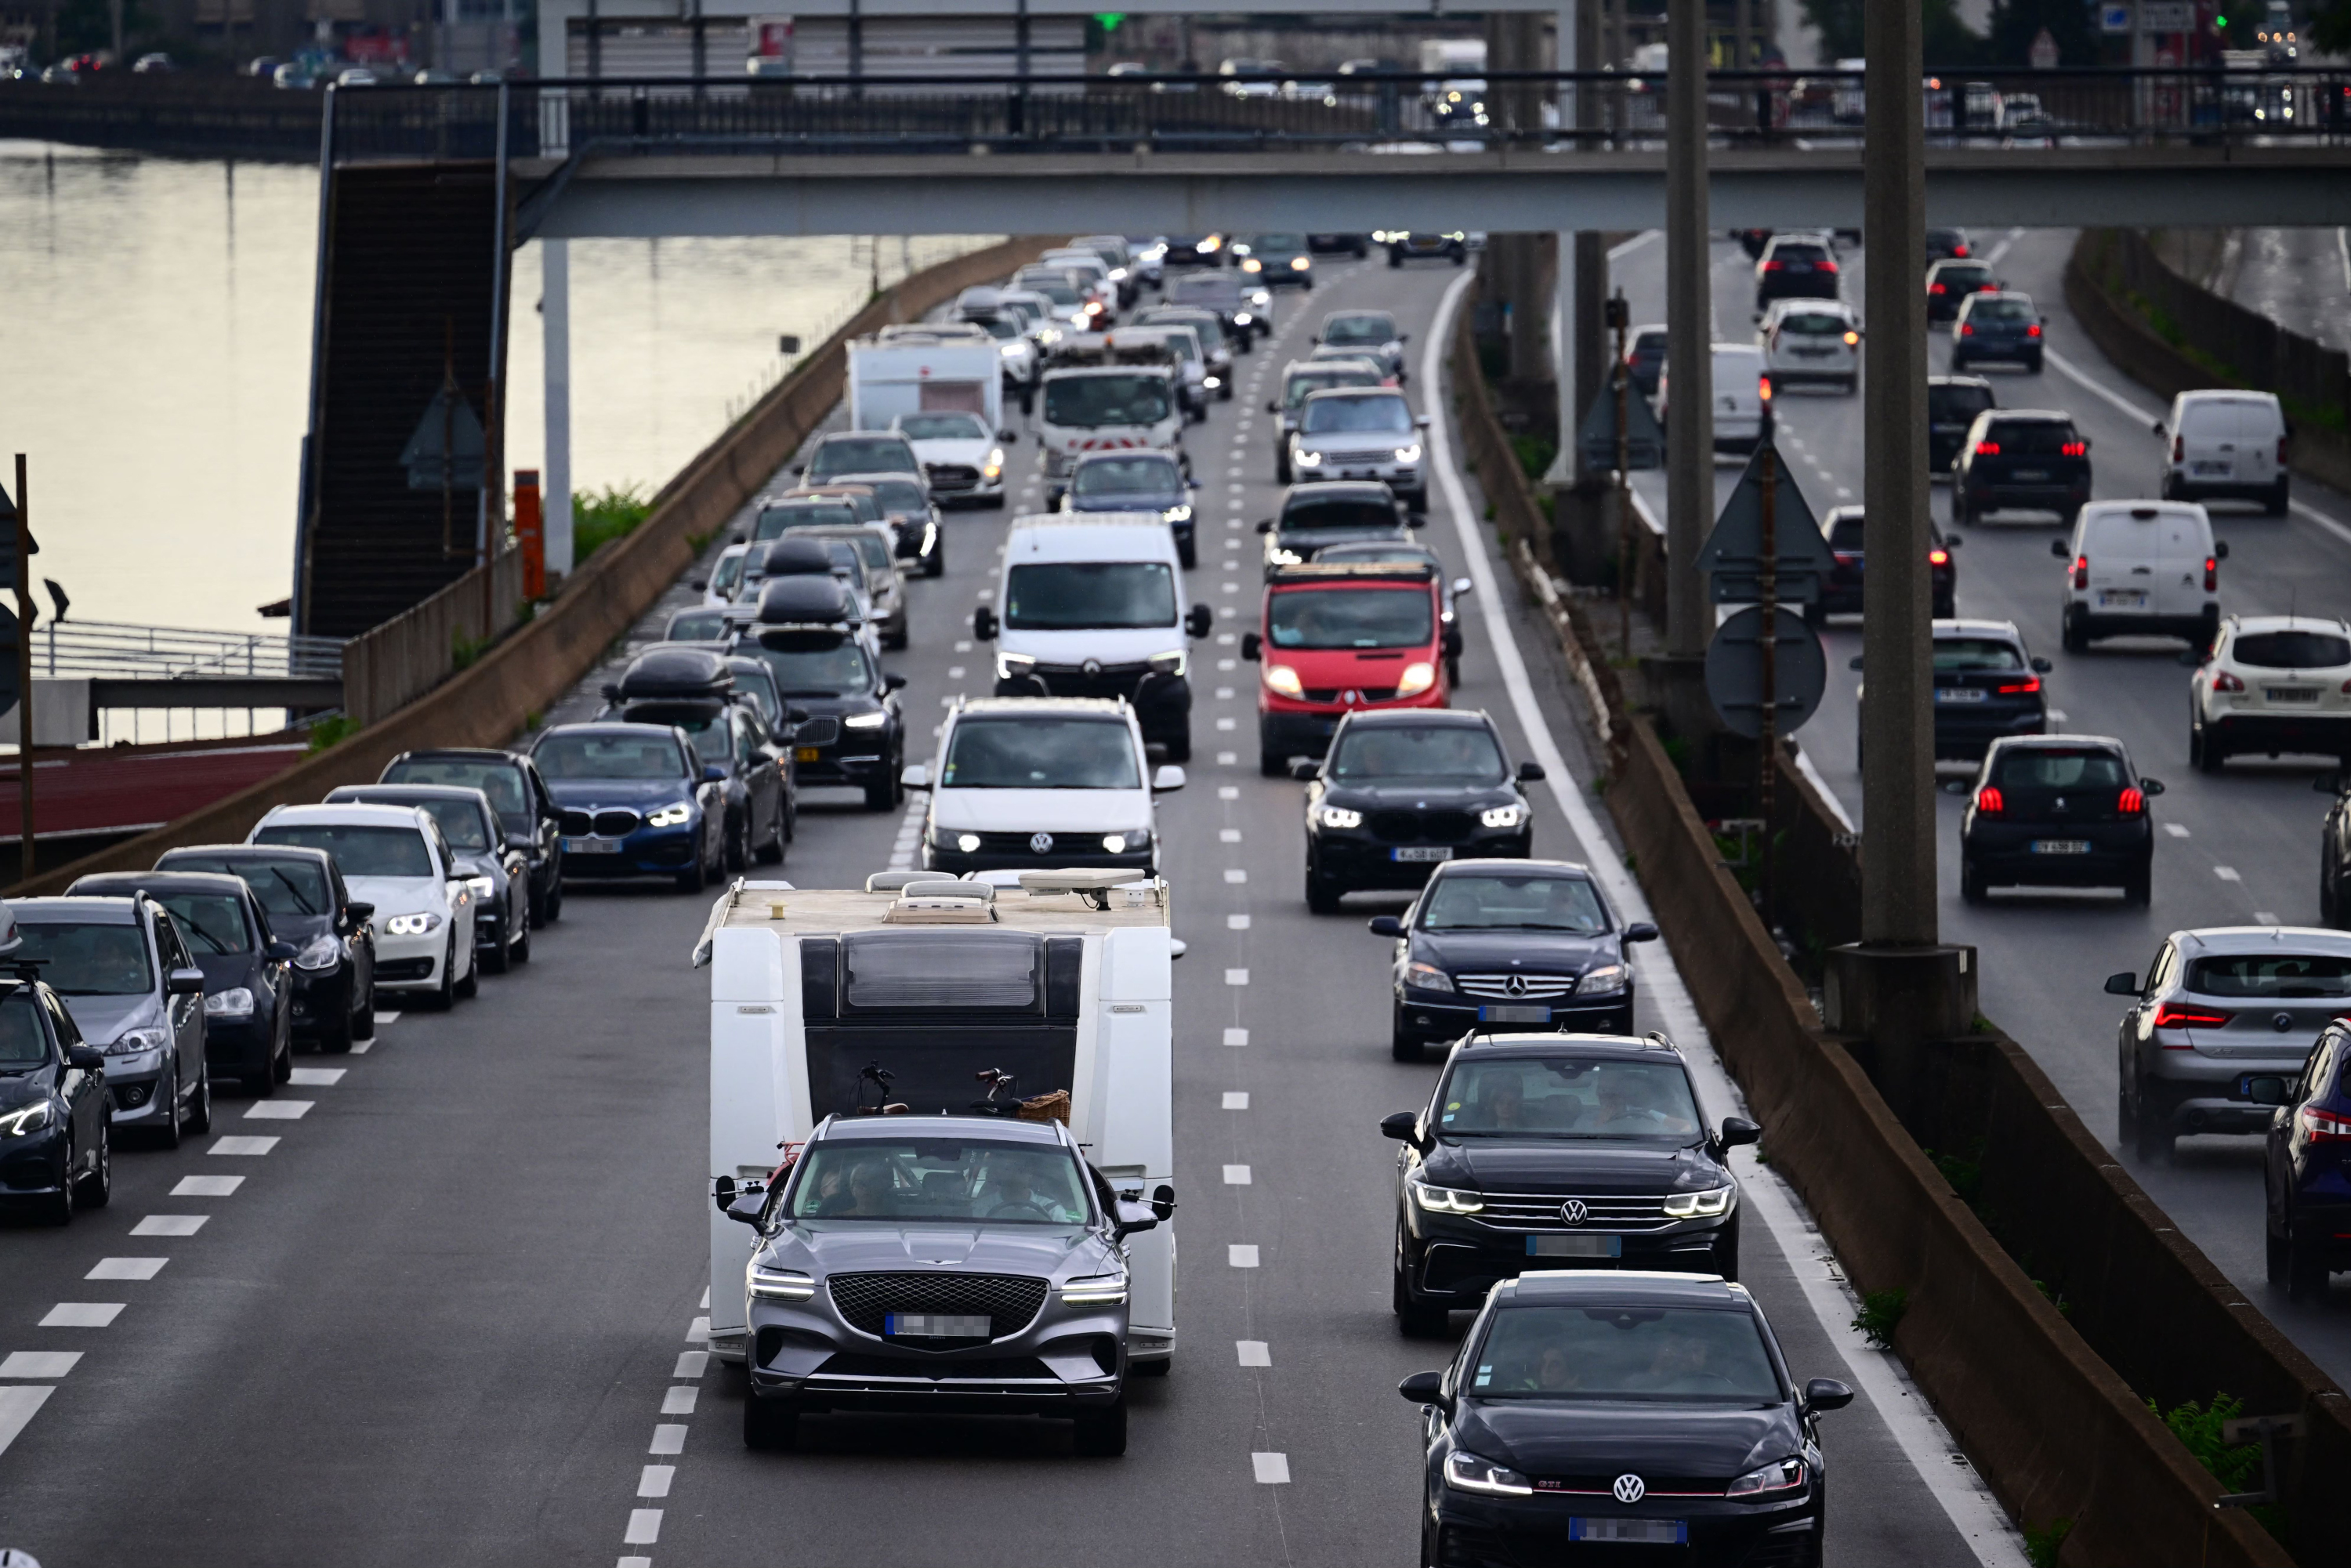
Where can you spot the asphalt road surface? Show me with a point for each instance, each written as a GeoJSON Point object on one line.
{"type": "Point", "coordinates": [451, 1314]}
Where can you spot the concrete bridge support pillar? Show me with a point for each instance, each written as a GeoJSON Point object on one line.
{"type": "Point", "coordinates": [555, 305]}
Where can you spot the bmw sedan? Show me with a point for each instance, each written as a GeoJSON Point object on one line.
{"type": "Point", "coordinates": [1508, 942]}
{"type": "Point", "coordinates": [498, 877]}
{"type": "Point", "coordinates": [636, 801]}
{"type": "Point", "coordinates": [1608, 1417]}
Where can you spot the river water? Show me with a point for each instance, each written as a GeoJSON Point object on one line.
{"type": "Point", "coordinates": [155, 361]}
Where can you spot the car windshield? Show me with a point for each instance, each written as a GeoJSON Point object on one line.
{"type": "Point", "coordinates": [1339, 512]}
{"type": "Point", "coordinates": [1568, 1096]}
{"type": "Point", "coordinates": [1154, 477]}
{"type": "Point", "coordinates": [211, 921]}
{"type": "Point", "coordinates": [1385, 415]}
{"type": "Point", "coordinates": [1350, 617]}
{"type": "Point", "coordinates": [774, 520]}
{"type": "Point", "coordinates": [943, 427]}
{"type": "Point", "coordinates": [22, 1043]}
{"type": "Point", "coordinates": [1957, 405]}
{"type": "Point", "coordinates": [1649, 346]}
{"type": "Point", "coordinates": [459, 821]}
{"type": "Point", "coordinates": [89, 958]}
{"type": "Point", "coordinates": [358, 850]}
{"type": "Point", "coordinates": [1814, 323]}
{"type": "Point", "coordinates": [729, 573]}
{"type": "Point", "coordinates": [593, 755]}
{"type": "Point", "coordinates": [1375, 330]}
{"type": "Point", "coordinates": [872, 550]}
{"type": "Point", "coordinates": [1301, 382]}
{"type": "Point", "coordinates": [1032, 753]}
{"type": "Point", "coordinates": [2285, 975]}
{"type": "Point", "coordinates": [1085, 403]}
{"type": "Point", "coordinates": [1207, 326]}
{"type": "Point", "coordinates": [1461, 752]}
{"type": "Point", "coordinates": [2060, 768]}
{"type": "Point", "coordinates": [997, 327]}
{"type": "Point", "coordinates": [696, 626]}
{"type": "Point", "coordinates": [712, 741]}
{"type": "Point", "coordinates": [1057, 290]}
{"type": "Point", "coordinates": [501, 781]}
{"type": "Point", "coordinates": [862, 454]}
{"type": "Point", "coordinates": [955, 1181]}
{"type": "Point", "coordinates": [2292, 650]}
{"type": "Point", "coordinates": [1808, 254]}
{"type": "Point", "coordinates": [1961, 655]}
{"type": "Point", "coordinates": [1982, 309]}
{"type": "Point", "coordinates": [1489, 903]}
{"type": "Point", "coordinates": [899, 496]}
{"type": "Point", "coordinates": [819, 666]}
{"type": "Point", "coordinates": [1081, 594]}
{"type": "Point", "coordinates": [1647, 1354]}
{"type": "Point", "coordinates": [283, 887]}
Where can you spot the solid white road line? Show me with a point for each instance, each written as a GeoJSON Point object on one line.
{"type": "Point", "coordinates": [38, 1363]}
{"type": "Point", "coordinates": [206, 1187]}
{"type": "Point", "coordinates": [126, 1267]}
{"type": "Point", "coordinates": [18, 1405]}
{"type": "Point", "coordinates": [1236, 1037]}
{"type": "Point", "coordinates": [1241, 1255]}
{"type": "Point", "coordinates": [82, 1314]}
{"type": "Point", "coordinates": [1272, 1469]}
{"type": "Point", "coordinates": [170, 1225]}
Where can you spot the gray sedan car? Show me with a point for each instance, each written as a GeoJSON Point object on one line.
{"type": "Point", "coordinates": [498, 874]}
{"type": "Point", "coordinates": [966, 1264]}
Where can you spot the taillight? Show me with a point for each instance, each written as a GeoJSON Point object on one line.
{"type": "Point", "coordinates": [1987, 448]}
{"type": "Point", "coordinates": [1763, 388]}
{"type": "Point", "coordinates": [1989, 802]}
{"type": "Point", "coordinates": [2081, 571]}
{"type": "Point", "coordinates": [1959, 253]}
{"type": "Point", "coordinates": [1937, 288]}
{"type": "Point", "coordinates": [2033, 329]}
{"type": "Point", "coordinates": [1966, 331]}
{"type": "Point", "coordinates": [2024, 687]}
{"type": "Point", "coordinates": [2132, 802]}
{"type": "Point", "coordinates": [2225, 682]}
{"type": "Point", "coordinates": [2179, 449]}
{"type": "Point", "coordinates": [2211, 574]}
{"type": "Point", "coordinates": [2323, 1126]}
{"type": "Point", "coordinates": [2280, 452]}
{"type": "Point", "coordinates": [1775, 267]}
{"type": "Point", "coordinates": [2171, 1015]}
{"type": "Point", "coordinates": [2075, 449]}
{"type": "Point", "coordinates": [1938, 558]}
{"type": "Point", "coordinates": [1824, 267]}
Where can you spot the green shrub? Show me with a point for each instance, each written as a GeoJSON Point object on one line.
{"type": "Point", "coordinates": [600, 517]}
{"type": "Point", "coordinates": [2042, 1545]}
{"type": "Point", "coordinates": [333, 730]}
{"type": "Point", "coordinates": [1880, 1315]}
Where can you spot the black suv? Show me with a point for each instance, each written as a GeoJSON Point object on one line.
{"type": "Point", "coordinates": [54, 1114]}
{"type": "Point", "coordinates": [526, 810]}
{"type": "Point", "coordinates": [1952, 404]}
{"type": "Point", "coordinates": [1325, 512]}
{"type": "Point", "coordinates": [1994, 325]}
{"type": "Point", "coordinates": [2058, 811]}
{"type": "Point", "coordinates": [1551, 1151]}
{"type": "Point", "coordinates": [1403, 791]}
{"type": "Point", "coordinates": [2031, 458]}
{"type": "Point", "coordinates": [854, 733]}
{"type": "Point", "coordinates": [1986, 687]}
{"type": "Point", "coordinates": [2304, 1167]}
{"type": "Point", "coordinates": [1508, 942]}
{"type": "Point", "coordinates": [1794, 267]}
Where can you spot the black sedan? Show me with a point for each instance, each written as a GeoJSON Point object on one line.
{"type": "Point", "coordinates": [497, 877]}
{"type": "Point", "coordinates": [1401, 792]}
{"type": "Point", "coordinates": [55, 1118]}
{"type": "Point", "coordinates": [1950, 281]}
{"type": "Point", "coordinates": [2058, 811]}
{"type": "Point", "coordinates": [1508, 942]}
{"type": "Point", "coordinates": [248, 969]}
{"type": "Point", "coordinates": [1840, 594]}
{"type": "Point", "coordinates": [1327, 512]}
{"type": "Point", "coordinates": [1607, 1416]}
{"type": "Point", "coordinates": [2028, 458]}
{"type": "Point", "coordinates": [308, 904]}
{"type": "Point", "coordinates": [532, 823]}
{"type": "Point", "coordinates": [1993, 325]}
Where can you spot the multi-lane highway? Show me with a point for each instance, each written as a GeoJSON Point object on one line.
{"type": "Point", "coordinates": [442, 1301]}
{"type": "Point", "coordinates": [2232, 849]}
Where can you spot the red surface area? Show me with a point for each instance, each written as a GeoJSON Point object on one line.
{"type": "Point", "coordinates": [122, 788]}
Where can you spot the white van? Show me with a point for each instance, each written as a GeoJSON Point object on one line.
{"type": "Point", "coordinates": [2225, 445]}
{"type": "Point", "coordinates": [1110, 407]}
{"type": "Point", "coordinates": [1022, 782]}
{"type": "Point", "coordinates": [2141, 569]}
{"type": "Point", "coordinates": [1086, 606]}
{"type": "Point", "coordinates": [1743, 397]}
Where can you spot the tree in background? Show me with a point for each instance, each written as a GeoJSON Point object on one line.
{"type": "Point", "coordinates": [1948, 41]}
{"type": "Point", "coordinates": [2329, 25]}
{"type": "Point", "coordinates": [2016, 23]}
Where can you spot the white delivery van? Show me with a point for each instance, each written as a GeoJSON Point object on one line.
{"type": "Point", "coordinates": [835, 1002]}
{"type": "Point", "coordinates": [1743, 397]}
{"type": "Point", "coordinates": [1108, 407]}
{"type": "Point", "coordinates": [2225, 445]}
{"type": "Point", "coordinates": [959, 369]}
{"type": "Point", "coordinates": [2141, 569]}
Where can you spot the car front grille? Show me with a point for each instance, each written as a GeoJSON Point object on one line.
{"type": "Point", "coordinates": [1419, 827]}
{"type": "Point", "coordinates": [1025, 844]}
{"type": "Point", "coordinates": [1530, 987]}
{"type": "Point", "coordinates": [952, 476]}
{"type": "Point", "coordinates": [578, 824]}
{"type": "Point", "coordinates": [821, 730]}
{"type": "Point", "coordinates": [1659, 1486]}
{"type": "Point", "coordinates": [1333, 693]}
{"type": "Point", "coordinates": [1603, 1211]}
{"type": "Point", "coordinates": [992, 1369]}
{"type": "Point", "coordinates": [1010, 1301]}
{"type": "Point", "coordinates": [613, 824]}
{"type": "Point", "coordinates": [1108, 681]}
{"type": "Point", "coordinates": [404, 969]}
{"type": "Point", "coordinates": [1384, 455]}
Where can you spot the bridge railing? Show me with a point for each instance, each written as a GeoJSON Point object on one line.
{"type": "Point", "coordinates": [1385, 112]}
{"type": "Point", "coordinates": [114, 651]}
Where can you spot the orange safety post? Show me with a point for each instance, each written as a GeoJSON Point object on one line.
{"type": "Point", "coordinates": [530, 535]}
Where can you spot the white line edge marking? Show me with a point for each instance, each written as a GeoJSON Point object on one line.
{"type": "Point", "coordinates": [1973, 1513]}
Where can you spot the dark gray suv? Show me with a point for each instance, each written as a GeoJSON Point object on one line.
{"type": "Point", "coordinates": [968, 1264]}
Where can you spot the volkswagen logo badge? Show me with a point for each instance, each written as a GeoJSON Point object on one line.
{"type": "Point", "coordinates": [1516, 985]}
{"type": "Point", "coordinates": [1573, 1212]}
{"type": "Point", "coordinates": [1630, 1489]}
{"type": "Point", "coordinates": [1041, 843]}
{"type": "Point", "coordinates": [1091, 669]}
{"type": "Point", "coordinates": [2281, 1022]}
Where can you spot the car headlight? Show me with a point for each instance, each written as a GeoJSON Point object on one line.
{"type": "Point", "coordinates": [321, 952]}
{"type": "Point", "coordinates": [1307, 459]}
{"type": "Point", "coordinates": [236, 1002]}
{"type": "Point", "coordinates": [1445, 1200]}
{"type": "Point", "coordinates": [1284, 557]}
{"type": "Point", "coordinates": [1180, 514]}
{"type": "Point", "coordinates": [865, 721]}
{"type": "Point", "coordinates": [1241, 317]}
{"type": "Point", "coordinates": [677, 814]}
{"type": "Point", "coordinates": [993, 468]}
{"type": "Point", "coordinates": [1601, 980]}
{"type": "Point", "coordinates": [968, 842]}
{"type": "Point", "coordinates": [1009, 350]}
{"type": "Point", "coordinates": [1418, 677]}
{"type": "Point", "coordinates": [479, 886]}
{"type": "Point", "coordinates": [1785, 1476]}
{"type": "Point", "coordinates": [412, 924]}
{"type": "Point", "coordinates": [1119, 843]}
{"type": "Point", "coordinates": [1094, 1291]}
{"type": "Point", "coordinates": [1299, 264]}
{"type": "Point", "coordinates": [1208, 247]}
{"type": "Point", "coordinates": [1283, 679]}
{"type": "Point", "coordinates": [1502, 816]}
{"type": "Point", "coordinates": [1703, 1205]}
{"type": "Point", "coordinates": [1008, 665]}
{"type": "Point", "coordinates": [1408, 453]}
{"type": "Point", "coordinates": [131, 1041]}
{"type": "Point", "coordinates": [1118, 275]}
{"type": "Point", "coordinates": [24, 1121]}
{"type": "Point", "coordinates": [777, 1284]}
{"type": "Point", "coordinates": [1171, 663]}
{"type": "Point", "coordinates": [1252, 264]}
{"type": "Point", "coordinates": [1339, 817]}
{"type": "Point", "coordinates": [1427, 977]}
{"type": "Point", "coordinates": [1465, 1471]}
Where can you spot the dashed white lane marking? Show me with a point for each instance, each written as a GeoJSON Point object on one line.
{"type": "Point", "coordinates": [18, 1405]}
{"type": "Point", "coordinates": [38, 1363]}
{"type": "Point", "coordinates": [1226, 724]}
{"type": "Point", "coordinates": [170, 1225]}
{"type": "Point", "coordinates": [1237, 1175]}
{"type": "Point", "coordinates": [317, 1077]}
{"type": "Point", "coordinates": [1228, 793]}
{"type": "Point", "coordinates": [361, 1047]}
{"type": "Point", "coordinates": [1225, 695]}
{"type": "Point", "coordinates": [2264, 917]}
{"type": "Point", "coordinates": [963, 647]}
{"type": "Point", "coordinates": [2227, 874]}
{"type": "Point", "coordinates": [1236, 977]}
{"type": "Point", "coordinates": [698, 1332]}
{"type": "Point", "coordinates": [1237, 922]}
{"type": "Point", "coordinates": [690, 1363]}
{"type": "Point", "coordinates": [1254, 1352]}
{"type": "Point", "coordinates": [1228, 835]}
{"type": "Point", "coordinates": [1236, 1037]}
{"type": "Point", "coordinates": [1227, 665]}
{"type": "Point", "coordinates": [232, 1145]}
{"type": "Point", "coordinates": [278, 1109]}
{"type": "Point", "coordinates": [383, 1018]}
{"type": "Point", "coordinates": [679, 1399]}
{"type": "Point", "coordinates": [644, 1529]}
{"type": "Point", "coordinates": [82, 1314]}
{"type": "Point", "coordinates": [954, 673]}
{"type": "Point", "coordinates": [1235, 874]}
{"type": "Point", "coordinates": [1228, 759]}
{"type": "Point", "coordinates": [704, 1302]}
{"type": "Point", "coordinates": [1272, 1469]}
{"type": "Point", "coordinates": [654, 1481]}
{"type": "Point", "coordinates": [669, 1438]}
{"type": "Point", "coordinates": [2175, 829]}
{"type": "Point", "coordinates": [1235, 1099]}
{"type": "Point", "coordinates": [126, 1267]}
{"type": "Point", "coordinates": [1241, 1255]}
{"type": "Point", "coordinates": [986, 593]}
{"type": "Point", "coordinates": [206, 1187]}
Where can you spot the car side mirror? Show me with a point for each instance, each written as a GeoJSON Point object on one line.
{"type": "Point", "coordinates": [796, 717]}
{"type": "Point", "coordinates": [2219, 549]}
{"type": "Point", "coordinates": [1951, 542]}
{"type": "Point", "coordinates": [1265, 525]}
{"type": "Point", "coordinates": [1854, 662]}
{"type": "Point", "coordinates": [712, 773]}
{"type": "Point", "coordinates": [1531, 773]}
{"type": "Point", "coordinates": [1385, 926]}
{"type": "Point", "coordinates": [85, 1059]}
{"type": "Point", "coordinates": [1167, 778]}
{"type": "Point", "coordinates": [1826, 1394]}
{"type": "Point", "coordinates": [1163, 1201]}
{"type": "Point", "coordinates": [2123, 985]}
{"type": "Point", "coordinates": [1008, 435]}
{"type": "Point", "coordinates": [1273, 408]}
{"type": "Point", "coordinates": [1738, 1130]}
{"type": "Point", "coordinates": [1200, 621]}
{"type": "Point", "coordinates": [741, 1202]}
{"type": "Point", "coordinates": [2042, 666]}
{"type": "Point", "coordinates": [2087, 443]}
{"type": "Point", "coordinates": [1463, 585]}
{"type": "Point", "coordinates": [1252, 646]}
{"type": "Point", "coordinates": [1412, 519]}
{"type": "Point", "coordinates": [280, 951]}
{"type": "Point", "coordinates": [798, 468]}
{"type": "Point", "coordinates": [1954, 786]}
{"type": "Point", "coordinates": [1426, 1388]}
{"type": "Point", "coordinates": [915, 776]}
{"type": "Point", "coordinates": [2060, 550]}
{"type": "Point", "coordinates": [983, 623]}
{"type": "Point", "coordinates": [700, 585]}
{"type": "Point", "coordinates": [2328, 783]}
{"type": "Point", "coordinates": [611, 692]}
{"type": "Point", "coordinates": [2156, 428]}
{"type": "Point", "coordinates": [1130, 1218]}
{"type": "Point", "coordinates": [894, 683]}
{"type": "Point", "coordinates": [360, 913]}
{"type": "Point", "coordinates": [1403, 1126]}
{"type": "Point", "coordinates": [1304, 769]}
{"type": "Point", "coordinates": [2264, 1089]}
{"type": "Point", "coordinates": [185, 983]}
{"type": "Point", "coordinates": [1640, 931]}
{"type": "Point", "coordinates": [522, 841]}
{"type": "Point", "coordinates": [2151, 786]}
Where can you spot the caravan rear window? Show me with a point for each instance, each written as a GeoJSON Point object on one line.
{"type": "Point", "coordinates": [891, 971]}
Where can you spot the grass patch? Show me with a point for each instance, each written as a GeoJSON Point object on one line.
{"type": "Point", "coordinates": [1880, 1315]}
{"type": "Point", "coordinates": [1536, 453]}
{"type": "Point", "coordinates": [331, 731]}
{"type": "Point", "coordinates": [2042, 1545]}
{"type": "Point", "coordinates": [600, 517]}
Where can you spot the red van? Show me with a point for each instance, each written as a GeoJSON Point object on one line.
{"type": "Point", "coordinates": [1335, 637]}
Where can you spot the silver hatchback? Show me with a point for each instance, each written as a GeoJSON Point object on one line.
{"type": "Point", "coordinates": [2218, 1007]}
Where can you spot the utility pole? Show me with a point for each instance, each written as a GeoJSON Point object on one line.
{"type": "Point", "coordinates": [24, 670]}
{"type": "Point", "coordinates": [1690, 328]}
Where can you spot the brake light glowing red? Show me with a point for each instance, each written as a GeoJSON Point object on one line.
{"type": "Point", "coordinates": [1966, 331]}
{"type": "Point", "coordinates": [2075, 449]}
{"type": "Point", "coordinates": [1987, 448]}
{"type": "Point", "coordinates": [2132, 802]}
{"type": "Point", "coordinates": [2225, 682]}
{"type": "Point", "coordinates": [1937, 288]}
{"type": "Point", "coordinates": [2211, 574]}
{"type": "Point", "coordinates": [2179, 449]}
{"type": "Point", "coordinates": [2172, 1015]}
{"type": "Point", "coordinates": [1763, 388]}
{"type": "Point", "coordinates": [2081, 571]}
{"type": "Point", "coordinates": [2032, 330]}
{"type": "Point", "coordinates": [2323, 1126]}
{"type": "Point", "coordinates": [1989, 802]}
{"type": "Point", "coordinates": [1938, 558]}
{"type": "Point", "coordinates": [1960, 252]}
{"type": "Point", "coordinates": [1775, 267]}
{"type": "Point", "coordinates": [1824, 267]}
{"type": "Point", "coordinates": [2024, 687]}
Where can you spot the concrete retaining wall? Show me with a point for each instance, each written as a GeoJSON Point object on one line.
{"type": "Point", "coordinates": [489, 703]}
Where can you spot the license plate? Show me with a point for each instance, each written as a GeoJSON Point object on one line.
{"type": "Point", "coordinates": [804, 753]}
{"type": "Point", "coordinates": [1503, 1012]}
{"type": "Point", "coordinates": [2061, 846]}
{"type": "Point", "coordinates": [1421, 852]}
{"type": "Point", "coordinates": [933, 1325]}
{"type": "Point", "coordinates": [591, 846]}
{"type": "Point", "coordinates": [1813, 353]}
{"type": "Point", "coordinates": [2212, 470]}
{"type": "Point", "coordinates": [2119, 598]}
{"type": "Point", "coordinates": [2030, 476]}
{"type": "Point", "coordinates": [1575, 1247]}
{"type": "Point", "coordinates": [1649, 1532]}
{"type": "Point", "coordinates": [1960, 694]}
{"type": "Point", "coordinates": [2291, 694]}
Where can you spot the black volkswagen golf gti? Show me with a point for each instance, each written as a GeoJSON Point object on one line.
{"type": "Point", "coordinates": [1557, 1151]}
{"type": "Point", "coordinates": [1621, 1417]}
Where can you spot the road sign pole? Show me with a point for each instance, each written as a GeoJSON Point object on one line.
{"type": "Point", "coordinates": [1771, 738]}
{"type": "Point", "coordinates": [1628, 559]}
{"type": "Point", "coordinates": [1689, 341]}
{"type": "Point", "coordinates": [24, 670]}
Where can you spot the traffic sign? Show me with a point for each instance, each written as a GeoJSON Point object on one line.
{"type": "Point", "coordinates": [1733, 553]}
{"type": "Point", "coordinates": [8, 659]}
{"type": "Point", "coordinates": [1734, 673]}
{"type": "Point", "coordinates": [1645, 447]}
{"type": "Point", "coordinates": [2114, 18]}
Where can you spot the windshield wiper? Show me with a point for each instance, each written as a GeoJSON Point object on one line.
{"type": "Point", "coordinates": [295, 888]}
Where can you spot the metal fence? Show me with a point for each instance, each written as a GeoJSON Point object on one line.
{"type": "Point", "coordinates": [109, 650]}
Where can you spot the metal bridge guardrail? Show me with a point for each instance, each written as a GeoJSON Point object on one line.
{"type": "Point", "coordinates": [1388, 112]}
{"type": "Point", "coordinates": [109, 650]}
